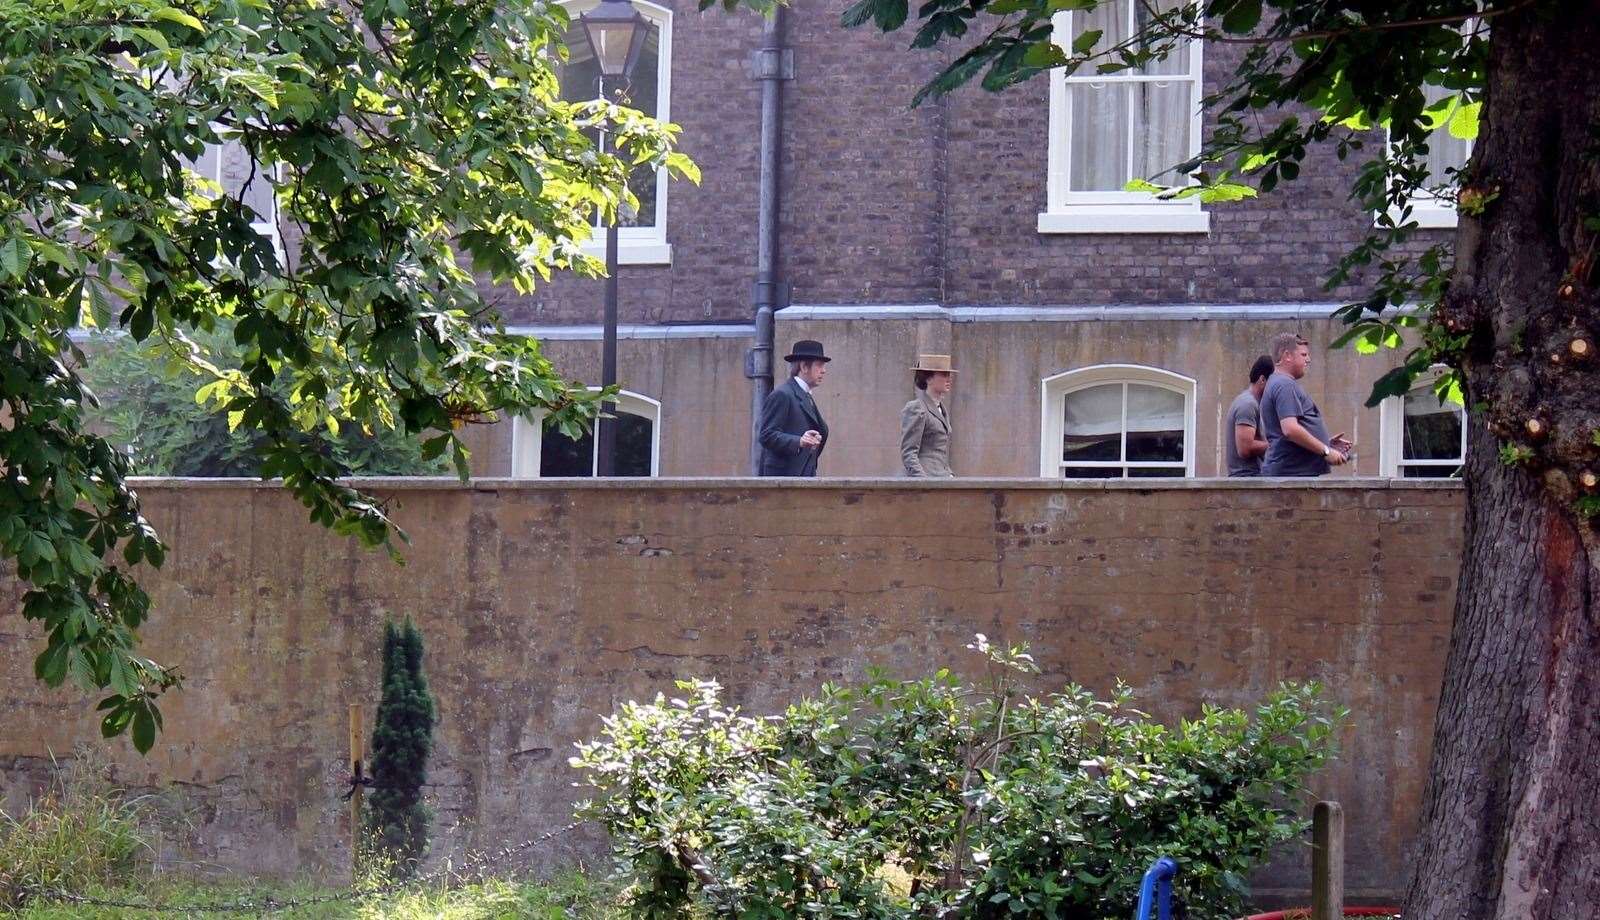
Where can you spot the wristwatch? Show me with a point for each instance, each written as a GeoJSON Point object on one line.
{"type": "Point", "coordinates": [1325, 451]}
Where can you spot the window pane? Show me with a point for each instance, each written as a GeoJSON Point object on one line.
{"type": "Point", "coordinates": [1110, 19]}
{"type": "Point", "coordinates": [1178, 60]}
{"type": "Point", "coordinates": [560, 455]}
{"type": "Point", "coordinates": [1138, 472]}
{"type": "Point", "coordinates": [1432, 428]}
{"type": "Point", "coordinates": [1155, 424]}
{"type": "Point", "coordinates": [580, 82]}
{"type": "Point", "coordinates": [643, 94]}
{"type": "Point", "coordinates": [1099, 136]}
{"type": "Point", "coordinates": [1091, 472]}
{"type": "Point", "coordinates": [1445, 152]}
{"type": "Point", "coordinates": [580, 75]}
{"type": "Point", "coordinates": [1162, 116]}
{"type": "Point", "coordinates": [1091, 425]}
{"type": "Point", "coordinates": [634, 441]}
{"type": "Point", "coordinates": [1430, 472]}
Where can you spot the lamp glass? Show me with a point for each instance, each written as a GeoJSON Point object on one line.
{"type": "Point", "coordinates": [616, 34]}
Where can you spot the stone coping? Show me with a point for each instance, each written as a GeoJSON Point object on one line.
{"type": "Point", "coordinates": [852, 484]}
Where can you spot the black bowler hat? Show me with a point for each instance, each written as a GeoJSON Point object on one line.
{"type": "Point", "coordinates": [807, 350]}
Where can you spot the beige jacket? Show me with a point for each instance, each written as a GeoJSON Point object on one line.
{"type": "Point", "coordinates": [925, 438]}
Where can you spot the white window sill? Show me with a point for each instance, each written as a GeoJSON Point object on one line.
{"type": "Point", "coordinates": [1430, 215]}
{"type": "Point", "coordinates": [1149, 218]}
{"type": "Point", "coordinates": [630, 252]}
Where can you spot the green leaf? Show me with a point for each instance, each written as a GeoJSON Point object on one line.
{"type": "Point", "coordinates": [1086, 40]}
{"type": "Point", "coordinates": [144, 729]}
{"type": "Point", "coordinates": [153, 37]}
{"type": "Point", "coordinates": [171, 14]}
{"type": "Point", "coordinates": [1464, 121]}
{"type": "Point", "coordinates": [1395, 383]}
{"type": "Point", "coordinates": [100, 309]}
{"type": "Point", "coordinates": [1242, 17]}
{"type": "Point", "coordinates": [1044, 55]}
{"type": "Point", "coordinates": [15, 255]}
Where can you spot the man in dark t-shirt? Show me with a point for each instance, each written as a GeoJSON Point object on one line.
{"type": "Point", "coordinates": [1297, 440]}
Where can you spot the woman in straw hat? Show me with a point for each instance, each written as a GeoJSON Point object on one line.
{"type": "Point", "coordinates": [924, 425]}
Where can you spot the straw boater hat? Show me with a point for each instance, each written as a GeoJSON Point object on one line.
{"type": "Point", "coordinates": [936, 363]}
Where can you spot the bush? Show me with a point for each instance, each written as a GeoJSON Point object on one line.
{"type": "Point", "coordinates": [397, 820]}
{"type": "Point", "coordinates": [82, 832]}
{"type": "Point", "coordinates": [148, 408]}
{"type": "Point", "coordinates": [900, 799]}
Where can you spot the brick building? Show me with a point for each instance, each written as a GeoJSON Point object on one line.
{"type": "Point", "coordinates": [989, 226]}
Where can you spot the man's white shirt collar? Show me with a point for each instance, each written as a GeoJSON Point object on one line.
{"type": "Point", "coordinates": [802, 384]}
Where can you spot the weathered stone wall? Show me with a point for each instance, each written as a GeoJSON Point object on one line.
{"type": "Point", "coordinates": [547, 604]}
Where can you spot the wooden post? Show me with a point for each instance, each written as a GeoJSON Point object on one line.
{"type": "Point", "coordinates": [357, 756]}
{"type": "Point", "coordinates": [1327, 861]}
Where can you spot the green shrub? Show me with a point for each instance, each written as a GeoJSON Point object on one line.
{"type": "Point", "coordinates": [930, 797]}
{"type": "Point", "coordinates": [397, 819]}
{"type": "Point", "coordinates": [148, 407]}
{"type": "Point", "coordinates": [83, 831]}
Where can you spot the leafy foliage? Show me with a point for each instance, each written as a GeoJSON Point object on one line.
{"type": "Point", "coordinates": [932, 797]}
{"type": "Point", "coordinates": [147, 408]}
{"type": "Point", "coordinates": [413, 148]}
{"type": "Point", "coordinates": [397, 819]}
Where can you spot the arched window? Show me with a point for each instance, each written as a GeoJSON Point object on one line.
{"type": "Point", "coordinates": [1421, 435]}
{"type": "Point", "coordinates": [538, 451]}
{"type": "Point", "coordinates": [1116, 421]}
{"type": "Point", "coordinates": [644, 241]}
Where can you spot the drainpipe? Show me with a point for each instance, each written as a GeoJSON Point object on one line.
{"type": "Point", "coordinates": [772, 63]}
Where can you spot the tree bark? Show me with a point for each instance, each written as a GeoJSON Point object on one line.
{"type": "Point", "coordinates": [1511, 818]}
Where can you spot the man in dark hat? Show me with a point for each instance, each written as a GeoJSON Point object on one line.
{"type": "Point", "coordinates": [792, 430]}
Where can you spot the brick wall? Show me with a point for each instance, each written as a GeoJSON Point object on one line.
{"type": "Point", "coordinates": [885, 204]}
{"type": "Point", "coordinates": [546, 605]}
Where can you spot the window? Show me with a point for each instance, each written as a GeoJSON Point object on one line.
{"type": "Point", "coordinates": [1117, 421]}
{"type": "Point", "coordinates": [1422, 436]}
{"type": "Point", "coordinates": [644, 242]}
{"type": "Point", "coordinates": [1109, 129]}
{"type": "Point", "coordinates": [538, 452]}
{"type": "Point", "coordinates": [1447, 154]}
{"type": "Point", "coordinates": [229, 165]}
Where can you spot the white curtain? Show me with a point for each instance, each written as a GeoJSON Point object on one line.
{"type": "Point", "coordinates": [1154, 409]}
{"type": "Point", "coordinates": [1152, 118]}
{"type": "Point", "coordinates": [1161, 122]}
{"type": "Point", "coordinates": [1093, 411]}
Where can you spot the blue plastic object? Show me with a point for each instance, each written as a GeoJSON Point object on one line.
{"type": "Point", "coordinates": [1156, 890]}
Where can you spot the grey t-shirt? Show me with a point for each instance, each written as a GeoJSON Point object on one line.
{"type": "Point", "coordinates": [1244, 411]}
{"type": "Point", "coordinates": [1284, 398]}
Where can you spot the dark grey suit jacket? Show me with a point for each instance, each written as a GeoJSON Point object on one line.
{"type": "Point", "coordinates": [788, 413]}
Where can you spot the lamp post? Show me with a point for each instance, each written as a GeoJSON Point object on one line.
{"type": "Point", "coordinates": [616, 33]}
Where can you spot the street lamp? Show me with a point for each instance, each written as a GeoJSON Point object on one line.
{"type": "Point", "coordinates": [616, 33]}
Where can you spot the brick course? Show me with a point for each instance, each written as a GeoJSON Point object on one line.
{"type": "Point", "coordinates": [885, 204]}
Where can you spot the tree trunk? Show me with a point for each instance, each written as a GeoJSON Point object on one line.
{"type": "Point", "coordinates": [1511, 820]}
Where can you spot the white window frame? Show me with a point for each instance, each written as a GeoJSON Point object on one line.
{"type": "Point", "coordinates": [218, 173]}
{"type": "Point", "coordinates": [1429, 211]}
{"type": "Point", "coordinates": [527, 434]}
{"type": "Point", "coordinates": [642, 245]}
{"type": "Point", "coordinates": [1053, 390]}
{"type": "Point", "coordinates": [1391, 435]}
{"type": "Point", "coordinates": [1067, 211]}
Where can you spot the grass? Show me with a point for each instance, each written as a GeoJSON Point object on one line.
{"type": "Point", "coordinates": [88, 837]}
{"type": "Point", "coordinates": [571, 897]}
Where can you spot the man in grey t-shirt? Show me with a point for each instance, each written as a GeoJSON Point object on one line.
{"type": "Point", "coordinates": [1297, 441]}
{"type": "Point", "coordinates": [1244, 443]}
